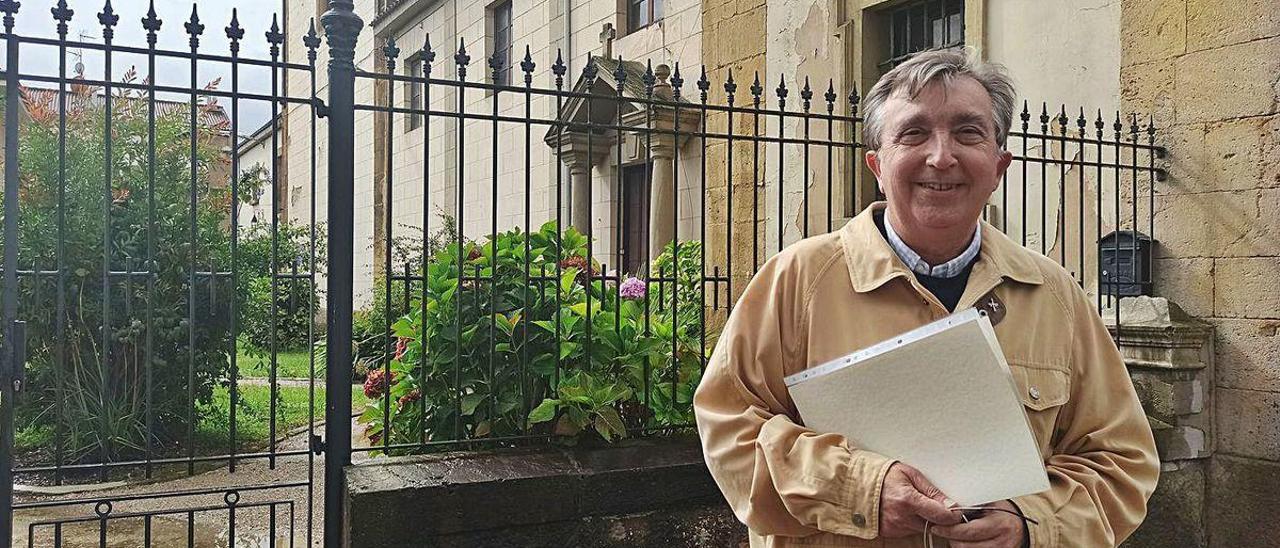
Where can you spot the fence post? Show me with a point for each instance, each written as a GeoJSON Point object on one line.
{"type": "Point", "coordinates": [10, 364]}
{"type": "Point", "coordinates": [342, 27]}
{"type": "Point", "coordinates": [11, 359]}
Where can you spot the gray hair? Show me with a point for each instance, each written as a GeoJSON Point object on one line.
{"type": "Point", "coordinates": [939, 66]}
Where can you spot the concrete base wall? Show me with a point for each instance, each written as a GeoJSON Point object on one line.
{"type": "Point", "coordinates": [640, 493]}
{"type": "Point", "coordinates": [1243, 496]}
{"type": "Point", "coordinates": [1175, 513]}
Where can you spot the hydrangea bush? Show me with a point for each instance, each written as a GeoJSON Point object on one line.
{"type": "Point", "coordinates": [513, 340]}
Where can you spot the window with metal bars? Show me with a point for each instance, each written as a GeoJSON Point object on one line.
{"type": "Point", "coordinates": [922, 26]}
{"type": "Point", "coordinates": [501, 13]}
{"type": "Point", "coordinates": [642, 13]}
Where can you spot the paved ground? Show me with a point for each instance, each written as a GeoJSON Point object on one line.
{"type": "Point", "coordinates": [208, 526]}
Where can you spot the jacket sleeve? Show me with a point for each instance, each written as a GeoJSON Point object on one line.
{"type": "Point", "coordinates": [779, 477]}
{"type": "Point", "coordinates": [1104, 464]}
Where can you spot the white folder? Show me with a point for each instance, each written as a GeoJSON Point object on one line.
{"type": "Point", "coordinates": [939, 398]}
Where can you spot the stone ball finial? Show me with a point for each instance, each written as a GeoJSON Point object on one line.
{"type": "Point", "coordinates": [662, 71]}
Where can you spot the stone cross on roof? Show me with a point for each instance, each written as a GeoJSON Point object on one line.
{"type": "Point", "coordinates": [607, 34]}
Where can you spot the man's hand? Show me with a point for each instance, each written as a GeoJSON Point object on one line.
{"type": "Point", "coordinates": [908, 499]}
{"type": "Point", "coordinates": [991, 530]}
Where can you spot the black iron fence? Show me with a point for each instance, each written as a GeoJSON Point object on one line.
{"type": "Point", "coordinates": [566, 253]}
{"type": "Point", "coordinates": [144, 322]}
{"type": "Point", "coordinates": [495, 334]}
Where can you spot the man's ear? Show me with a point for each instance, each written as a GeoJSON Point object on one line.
{"type": "Point", "coordinates": [873, 163]}
{"type": "Point", "coordinates": [1002, 163]}
{"type": "Point", "coordinates": [1003, 159]}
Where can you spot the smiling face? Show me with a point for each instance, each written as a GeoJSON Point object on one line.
{"type": "Point", "coordinates": [939, 161]}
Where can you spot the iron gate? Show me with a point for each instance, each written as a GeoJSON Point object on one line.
{"type": "Point", "coordinates": [158, 317]}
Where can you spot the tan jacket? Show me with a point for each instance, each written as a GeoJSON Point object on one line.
{"type": "Point", "coordinates": [830, 295]}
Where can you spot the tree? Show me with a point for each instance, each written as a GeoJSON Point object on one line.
{"type": "Point", "coordinates": [166, 341]}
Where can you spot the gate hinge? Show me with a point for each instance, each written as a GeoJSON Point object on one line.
{"type": "Point", "coordinates": [317, 444]}
{"type": "Point", "coordinates": [322, 110]}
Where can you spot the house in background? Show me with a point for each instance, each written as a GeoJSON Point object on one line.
{"type": "Point", "coordinates": [257, 166]}
{"type": "Point", "coordinates": [401, 147]}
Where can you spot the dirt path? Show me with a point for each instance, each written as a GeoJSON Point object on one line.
{"type": "Point", "coordinates": [204, 520]}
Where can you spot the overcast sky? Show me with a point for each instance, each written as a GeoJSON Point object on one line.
{"type": "Point", "coordinates": [34, 19]}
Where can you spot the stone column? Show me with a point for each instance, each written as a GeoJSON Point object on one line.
{"type": "Point", "coordinates": [662, 198]}
{"type": "Point", "coordinates": [580, 207]}
{"type": "Point", "coordinates": [1170, 359]}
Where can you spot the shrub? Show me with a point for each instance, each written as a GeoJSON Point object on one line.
{"type": "Point", "coordinates": [505, 350]}
{"type": "Point", "coordinates": [369, 326]}
{"type": "Point", "coordinates": [99, 396]}
{"type": "Point", "coordinates": [294, 297]}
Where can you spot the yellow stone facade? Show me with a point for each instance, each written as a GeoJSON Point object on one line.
{"type": "Point", "coordinates": [1210, 72]}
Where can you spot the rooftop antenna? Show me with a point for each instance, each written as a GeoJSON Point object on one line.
{"type": "Point", "coordinates": [79, 51]}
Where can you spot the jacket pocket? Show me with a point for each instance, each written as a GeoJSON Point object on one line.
{"type": "Point", "coordinates": [1043, 391]}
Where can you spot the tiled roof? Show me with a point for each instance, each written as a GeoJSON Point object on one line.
{"type": "Point", "coordinates": [210, 115]}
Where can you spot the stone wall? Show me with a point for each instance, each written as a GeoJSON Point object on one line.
{"type": "Point", "coordinates": [1210, 72]}
{"type": "Point", "coordinates": [734, 42]}
{"type": "Point", "coordinates": [1170, 359]}
{"type": "Point", "coordinates": [638, 493]}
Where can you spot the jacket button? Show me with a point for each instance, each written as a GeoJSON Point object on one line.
{"type": "Point", "coordinates": [859, 520]}
{"type": "Point", "coordinates": [1034, 392]}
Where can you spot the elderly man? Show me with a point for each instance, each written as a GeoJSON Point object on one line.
{"type": "Point", "coordinates": [935, 132]}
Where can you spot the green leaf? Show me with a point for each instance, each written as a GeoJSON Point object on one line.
{"type": "Point", "coordinates": [548, 325]}
{"type": "Point", "coordinates": [544, 412]}
{"type": "Point", "coordinates": [503, 323]}
{"type": "Point", "coordinates": [543, 364]}
{"type": "Point", "coordinates": [404, 328]}
{"type": "Point", "coordinates": [567, 277]}
{"type": "Point", "coordinates": [608, 423]}
{"type": "Point", "coordinates": [471, 401]}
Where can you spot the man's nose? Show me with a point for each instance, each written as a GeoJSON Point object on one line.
{"type": "Point", "coordinates": [941, 152]}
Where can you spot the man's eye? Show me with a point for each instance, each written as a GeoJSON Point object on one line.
{"type": "Point", "coordinates": [971, 134]}
{"type": "Point", "coordinates": [911, 135]}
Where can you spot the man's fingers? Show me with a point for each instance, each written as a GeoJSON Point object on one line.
{"type": "Point", "coordinates": [973, 531]}
{"type": "Point", "coordinates": [924, 499]}
{"type": "Point", "coordinates": [926, 487]}
{"type": "Point", "coordinates": [922, 484]}
{"type": "Point", "coordinates": [933, 511]}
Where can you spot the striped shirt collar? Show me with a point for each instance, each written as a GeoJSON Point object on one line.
{"type": "Point", "coordinates": [949, 269]}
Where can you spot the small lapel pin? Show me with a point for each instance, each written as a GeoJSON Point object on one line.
{"type": "Point", "coordinates": [993, 306]}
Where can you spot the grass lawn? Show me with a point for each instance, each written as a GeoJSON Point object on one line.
{"type": "Point", "coordinates": [213, 432]}
{"type": "Point", "coordinates": [253, 416]}
{"type": "Point", "coordinates": [289, 365]}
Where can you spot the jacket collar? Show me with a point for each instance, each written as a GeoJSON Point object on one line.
{"type": "Point", "coordinates": [872, 262]}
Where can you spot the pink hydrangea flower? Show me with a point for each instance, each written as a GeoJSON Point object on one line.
{"type": "Point", "coordinates": [633, 288]}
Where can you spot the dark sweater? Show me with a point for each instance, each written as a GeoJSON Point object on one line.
{"type": "Point", "coordinates": [947, 290]}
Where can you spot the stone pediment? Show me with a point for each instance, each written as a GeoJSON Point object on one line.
{"type": "Point", "coordinates": [614, 101]}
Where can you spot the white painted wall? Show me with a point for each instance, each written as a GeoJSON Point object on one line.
{"type": "Point", "coordinates": [1055, 70]}
{"type": "Point", "coordinates": [252, 156]}
{"type": "Point", "coordinates": [803, 43]}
